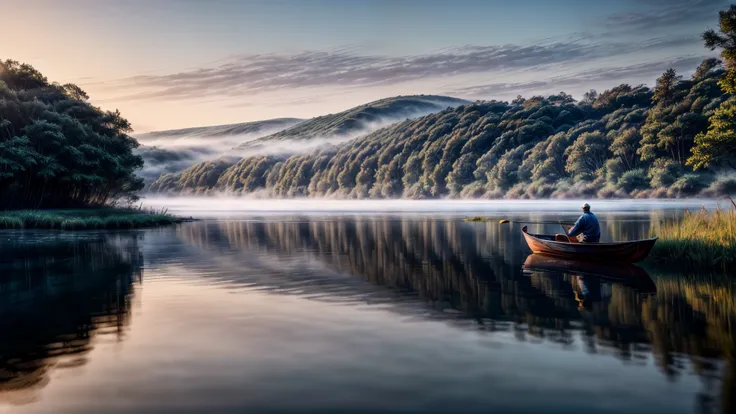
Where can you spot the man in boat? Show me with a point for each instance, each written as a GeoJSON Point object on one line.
{"type": "Point", "coordinates": [587, 225]}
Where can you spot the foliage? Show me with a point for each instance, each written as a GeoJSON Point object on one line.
{"type": "Point", "coordinates": [634, 180]}
{"type": "Point", "coordinates": [718, 144]}
{"type": "Point", "coordinates": [700, 239]}
{"type": "Point", "coordinates": [106, 218]}
{"type": "Point", "coordinates": [529, 148]}
{"type": "Point", "coordinates": [56, 149]}
{"type": "Point", "coordinates": [688, 184]}
{"type": "Point", "coordinates": [628, 141]}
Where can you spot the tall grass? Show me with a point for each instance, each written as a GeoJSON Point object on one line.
{"type": "Point", "coordinates": [700, 239]}
{"type": "Point", "coordinates": [477, 219]}
{"type": "Point", "coordinates": [85, 219]}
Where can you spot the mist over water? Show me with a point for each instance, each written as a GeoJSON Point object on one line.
{"type": "Point", "coordinates": [232, 206]}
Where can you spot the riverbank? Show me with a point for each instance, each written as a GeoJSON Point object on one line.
{"type": "Point", "coordinates": [86, 219]}
{"type": "Point", "coordinates": [699, 240]}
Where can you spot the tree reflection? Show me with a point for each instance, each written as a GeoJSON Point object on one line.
{"type": "Point", "coordinates": [683, 321]}
{"type": "Point", "coordinates": [57, 293]}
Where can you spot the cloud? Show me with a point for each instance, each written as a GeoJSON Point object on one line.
{"type": "Point", "coordinates": [605, 75]}
{"type": "Point", "coordinates": [253, 74]}
{"type": "Point", "coordinates": [667, 13]}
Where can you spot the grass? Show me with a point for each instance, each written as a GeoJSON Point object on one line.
{"type": "Point", "coordinates": [86, 219]}
{"type": "Point", "coordinates": [701, 239]}
{"type": "Point", "coordinates": [478, 219]}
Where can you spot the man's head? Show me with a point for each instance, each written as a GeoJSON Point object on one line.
{"type": "Point", "coordinates": [586, 207]}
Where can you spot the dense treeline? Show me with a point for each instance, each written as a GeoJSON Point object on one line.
{"type": "Point", "coordinates": [56, 149]}
{"type": "Point", "coordinates": [629, 141]}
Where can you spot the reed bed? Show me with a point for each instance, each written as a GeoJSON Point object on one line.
{"type": "Point", "coordinates": [701, 239]}
{"type": "Point", "coordinates": [86, 219]}
{"type": "Point", "coordinates": [477, 219]}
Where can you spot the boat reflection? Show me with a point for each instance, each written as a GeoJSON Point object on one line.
{"type": "Point", "coordinates": [591, 281]}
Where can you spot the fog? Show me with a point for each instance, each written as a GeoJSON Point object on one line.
{"type": "Point", "coordinates": [228, 206]}
{"type": "Point", "coordinates": [174, 151]}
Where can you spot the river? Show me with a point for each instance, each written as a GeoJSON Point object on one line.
{"type": "Point", "coordinates": [357, 307]}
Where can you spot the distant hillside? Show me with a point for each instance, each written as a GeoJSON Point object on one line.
{"type": "Point", "coordinates": [172, 151]}
{"type": "Point", "coordinates": [247, 128]}
{"type": "Point", "coordinates": [362, 119]}
{"type": "Point", "coordinates": [193, 150]}
{"type": "Point", "coordinates": [625, 142]}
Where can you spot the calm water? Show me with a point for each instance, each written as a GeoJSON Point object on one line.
{"type": "Point", "coordinates": [337, 310]}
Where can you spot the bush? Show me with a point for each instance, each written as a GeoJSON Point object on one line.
{"type": "Point", "coordinates": [634, 180]}
{"type": "Point", "coordinates": [664, 173]}
{"type": "Point", "coordinates": [687, 185]}
{"type": "Point", "coordinates": [110, 218]}
{"type": "Point", "coordinates": [721, 187]}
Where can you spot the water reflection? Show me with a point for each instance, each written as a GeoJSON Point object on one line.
{"type": "Point", "coordinates": [57, 294]}
{"type": "Point", "coordinates": [484, 273]}
{"type": "Point", "coordinates": [456, 316]}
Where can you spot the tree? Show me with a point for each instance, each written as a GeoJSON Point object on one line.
{"type": "Point", "coordinates": [705, 67]}
{"type": "Point", "coordinates": [625, 146]}
{"type": "Point", "coordinates": [725, 39]}
{"type": "Point", "coordinates": [589, 97]}
{"type": "Point", "coordinates": [665, 89]}
{"type": "Point", "coordinates": [56, 149]}
{"type": "Point", "coordinates": [718, 145]}
{"type": "Point", "coordinates": [588, 154]}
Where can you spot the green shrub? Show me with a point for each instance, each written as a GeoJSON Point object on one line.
{"type": "Point", "coordinates": [634, 180]}
{"type": "Point", "coordinates": [110, 218]}
{"type": "Point", "coordinates": [664, 172]}
{"type": "Point", "coordinates": [688, 184]}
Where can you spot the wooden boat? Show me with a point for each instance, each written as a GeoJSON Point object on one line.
{"type": "Point", "coordinates": [627, 252]}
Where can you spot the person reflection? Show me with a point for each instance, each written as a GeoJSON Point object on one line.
{"type": "Point", "coordinates": [588, 290]}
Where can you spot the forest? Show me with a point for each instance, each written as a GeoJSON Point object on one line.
{"type": "Point", "coordinates": [675, 139]}
{"type": "Point", "coordinates": [58, 150]}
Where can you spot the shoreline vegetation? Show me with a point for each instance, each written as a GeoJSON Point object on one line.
{"type": "Point", "coordinates": [700, 239]}
{"type": "Point", "coordinates": [107, 218]}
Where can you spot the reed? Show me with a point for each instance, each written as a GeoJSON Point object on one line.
{"type": "Point", "coordinates": [86, 219]}
{"type": "Point", "coordinates": [700, 239]}
{"type": "Point", "coordinates": [477, 219]}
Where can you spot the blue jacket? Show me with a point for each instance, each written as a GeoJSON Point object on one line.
{"type": "Point", "coordinates": [588, 225]}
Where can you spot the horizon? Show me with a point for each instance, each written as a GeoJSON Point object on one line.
{"type": "Point", "coordinates": [185, 64]}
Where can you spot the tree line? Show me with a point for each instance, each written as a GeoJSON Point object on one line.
{"type": "Point", "coordinates": [58, 150]}
{"type": "Point", "coordinates": [673, 140]}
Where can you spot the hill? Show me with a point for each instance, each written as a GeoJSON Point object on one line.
{"type": "Point", "coordinates": [362, 119]}
{"type": "Point", "coordinates": [629, 141]}
{"type": "Point", "coordinates": [246, 128]}
{"type": "Point", "coordinates": [174, 150]}
{"type": "Point", "coordinates": [171, 157]}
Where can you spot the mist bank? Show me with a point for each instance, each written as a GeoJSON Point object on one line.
{"type": "Point", "coordinates": [626, 142]}
{"type": "Point", "coordinates": [362, 119]}
{"type": "Point", "coordinates": [244, 206]}
{"type": "Point", "coordinates": [171, 152]}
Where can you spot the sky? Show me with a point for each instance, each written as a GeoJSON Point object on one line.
{"type": "Point", "coordinates": [169, 64]}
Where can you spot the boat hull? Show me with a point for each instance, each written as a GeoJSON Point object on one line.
{"type": "Point", "coordinates": [626, 252]}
